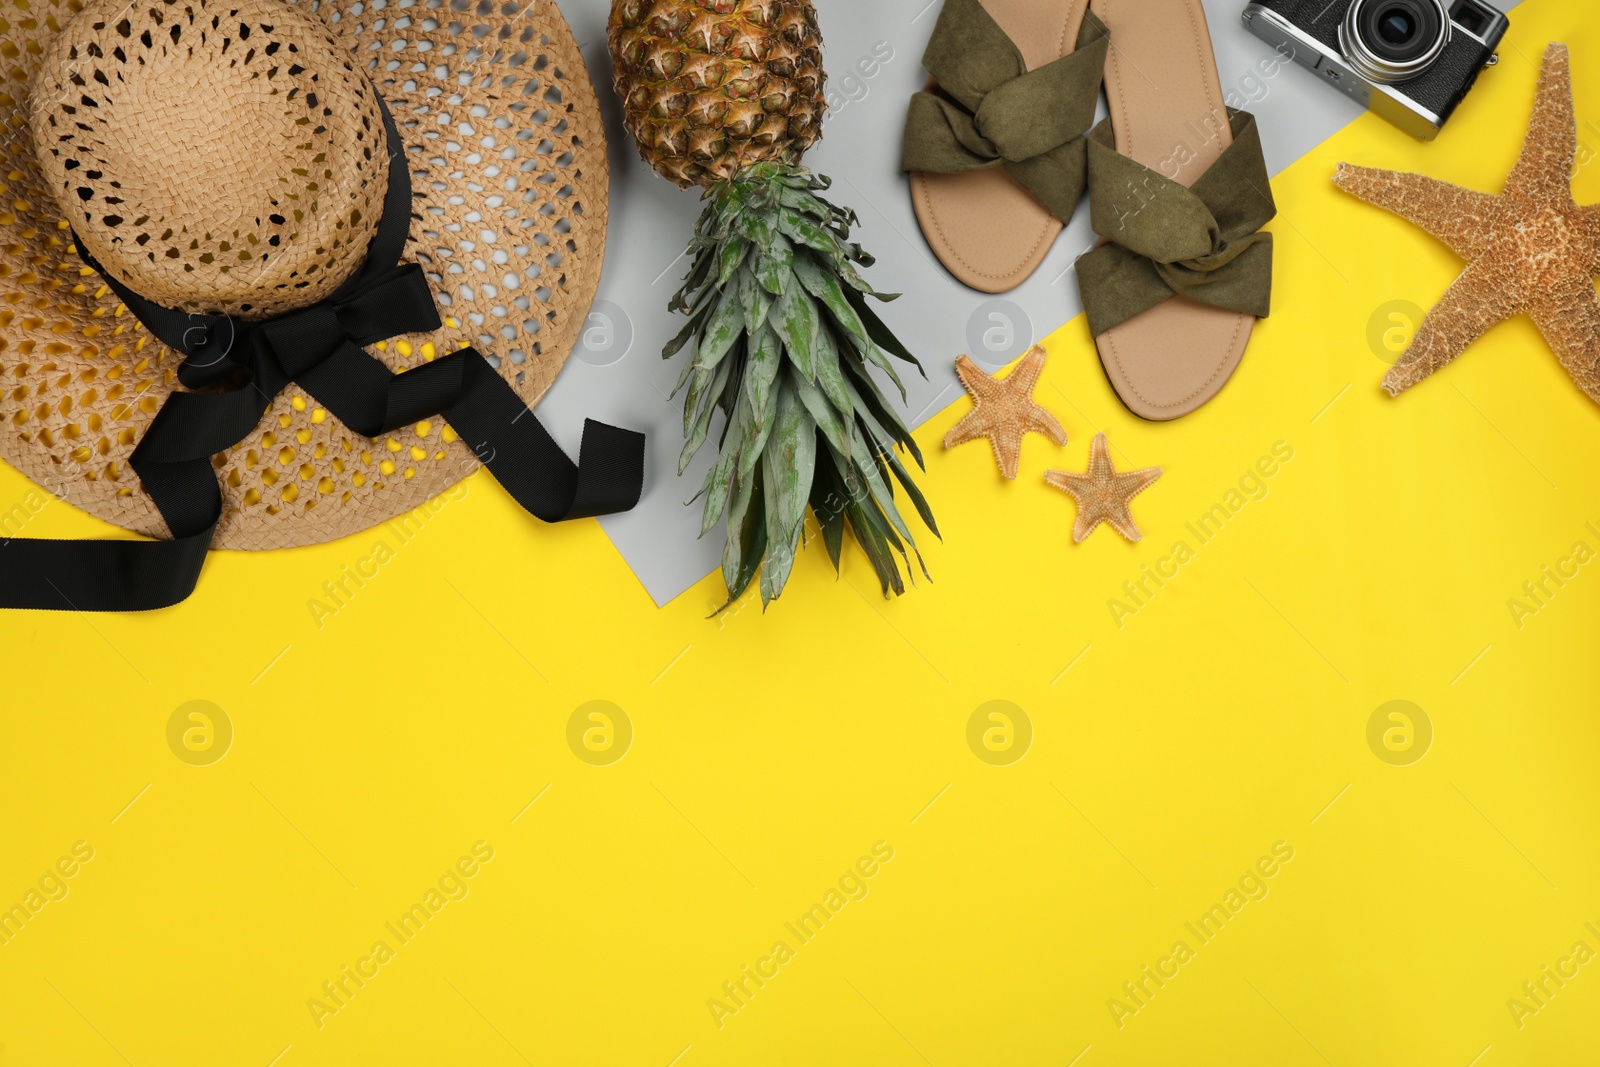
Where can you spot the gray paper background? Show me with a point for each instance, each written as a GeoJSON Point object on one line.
{"type": "Point", "coordinates": [874, 50]}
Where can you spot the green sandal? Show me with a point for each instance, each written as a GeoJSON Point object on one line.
{"type": "Point", "coordinates": [1178, 187]}
{"type": "Point", "coordinates": [995, 149]}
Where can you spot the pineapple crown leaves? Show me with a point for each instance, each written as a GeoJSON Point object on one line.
{"type": "Point", "coordinates": [781, 338]}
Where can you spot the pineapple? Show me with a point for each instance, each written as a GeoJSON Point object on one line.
{"type": "Point", "coordinates": [710, 87]}
{"type": "Point", "coordinates": [727, 95]}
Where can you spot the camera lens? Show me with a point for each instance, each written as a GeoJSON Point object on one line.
{"type": "Point", "coordinates": [1396, 27]}
{"type": "Point", "coordinates": [1393, 40]}
{"type": "Point", "coordinates": [1400, 30]}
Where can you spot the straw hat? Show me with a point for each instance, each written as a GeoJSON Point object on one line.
{"type": "Point", "coordinates": [232, 158]}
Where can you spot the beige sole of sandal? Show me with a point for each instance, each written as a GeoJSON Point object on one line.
{"type": "Point", "coordinates": [1168, 113]}
{"type": "Point", "coordinates": [984, 227]}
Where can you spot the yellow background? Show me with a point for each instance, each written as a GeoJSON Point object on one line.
{"type": "Point", "coordinates": [771, 751]}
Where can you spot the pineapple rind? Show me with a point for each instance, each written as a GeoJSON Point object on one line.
{"type": "Point", "coordinates": [711, 87]}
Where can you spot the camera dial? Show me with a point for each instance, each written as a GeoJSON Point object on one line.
{"type": "Point", "coordinates": [1391, 41]}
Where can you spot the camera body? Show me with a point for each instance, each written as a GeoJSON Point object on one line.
{"type": "Point", "coordinates": [1409, 61]}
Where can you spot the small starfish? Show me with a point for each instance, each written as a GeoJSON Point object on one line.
{"type": "Point", "coordinates": [1531, 250]}
{"type": "Point", "coordinates": [1104, 493]}
{"type": "Point", "coordinates": [1004, 410]}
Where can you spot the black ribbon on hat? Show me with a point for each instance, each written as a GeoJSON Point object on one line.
{"type": "Point", "coordinates": [320, 349]}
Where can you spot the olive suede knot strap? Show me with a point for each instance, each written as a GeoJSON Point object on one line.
{"type": "Point", "coordinates": [990, 110]}
{"type": "Point", "coordinates": [1165, 238]}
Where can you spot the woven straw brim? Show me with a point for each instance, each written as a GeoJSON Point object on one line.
{"type": "Point", "coordinates": [509, 181]}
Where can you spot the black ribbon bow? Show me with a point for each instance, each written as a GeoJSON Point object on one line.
{"type": "Point", "coordinates": [319, 348]}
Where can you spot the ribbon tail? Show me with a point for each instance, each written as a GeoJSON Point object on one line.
{"type": "Point", "coordinates": [524, 458]}
{"type": "Point", "coordinates": [610, 470]}
{"type": "Point", "coordinates": [469, 394]}
{"type": "Point", "coordinates": [173, 461]}
{"type": "Point", "coordinates": [102, 575]}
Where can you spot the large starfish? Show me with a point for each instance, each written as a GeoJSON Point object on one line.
{"type": "Point", "coordinates": [1531, 250]}
{"type": "Point", "coordinates": [1004, 410]}
{"type": "Point", "coordinates": [1104, 493]}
